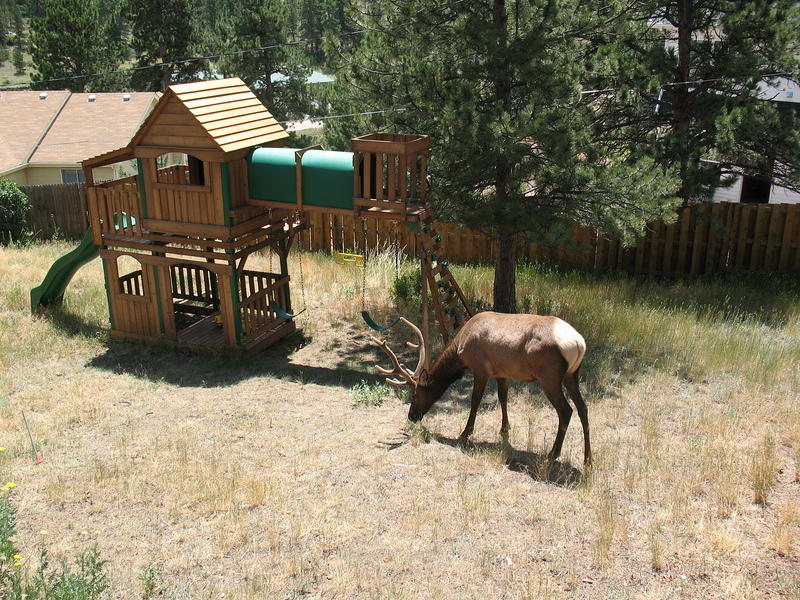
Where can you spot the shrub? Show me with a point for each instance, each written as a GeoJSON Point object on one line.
{"type": "Point", "coordinates": [87, 582]}
{"type": "Point", "coordinates": [14, 208]}
{"type": "Point", "coordinates": [406, 287]}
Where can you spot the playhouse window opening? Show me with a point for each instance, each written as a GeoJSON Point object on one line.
{"type": "Point", "coordinates": [181, 169]}
{"type": "Point", "coordinates": [130, 279]}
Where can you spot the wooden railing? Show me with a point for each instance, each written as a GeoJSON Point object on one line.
{"type": "Point", "coordinates": [114, 212]}
{"type": "Point", "coordinates": [125, 184]}
{"type": "Point", "coordinates": [132, 284]}
{"type": "Point", "coordinates": [172, 199]}
{"type": "Point", "coordinates": [194, 289]}
{"type": "Point", "coordinates": [256, 291]}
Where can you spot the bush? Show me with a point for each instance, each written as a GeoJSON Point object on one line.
{"type": "Point", "coordinates": [14, 209]}
{"type": "Point", "coordinates": [87, 582]}
{"type": "Point", "coordinates": [406, 287]}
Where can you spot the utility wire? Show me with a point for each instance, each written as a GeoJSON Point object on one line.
{"type": "Point", "coordinates": [185, 60]}
{"type": "Point", "coordinates": [388, 110]}
{"type": "Point", "coordinates": [342, 34]}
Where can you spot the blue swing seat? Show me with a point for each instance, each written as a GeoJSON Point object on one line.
{"type": "Point", "coordinates": [282, 313]}
{"type": "Point", "coordinates": [371, 322]}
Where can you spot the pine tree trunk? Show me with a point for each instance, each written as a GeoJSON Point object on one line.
{"type": "Point", "coordinates": [681, 108]}
{"type": "Point", "coordinates": [505, 274]}
{"type": "Point", "coordinates": [505, 280]}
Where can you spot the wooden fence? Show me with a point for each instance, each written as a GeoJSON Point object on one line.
{"type": "Point", "coordinates": [705, 238]}
{"type": "Point", "coordinates": [58, 208]}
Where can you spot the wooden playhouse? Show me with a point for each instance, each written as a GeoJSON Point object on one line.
{"type": "Point", "coordinates": [174, 238]}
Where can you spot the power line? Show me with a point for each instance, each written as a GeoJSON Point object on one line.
{"type": "Point", "coordinates": [185, 60]}
{"type": "Point", "coordinates": [358, 114]}
{"type": "Point", "coordinates": [399, 109]}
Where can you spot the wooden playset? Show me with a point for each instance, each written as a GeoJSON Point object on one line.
{"type": "Point", "coordinates": [214, 186]}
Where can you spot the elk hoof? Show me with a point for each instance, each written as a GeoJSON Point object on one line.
{"type": "Point", "coordinates": [463, 442]}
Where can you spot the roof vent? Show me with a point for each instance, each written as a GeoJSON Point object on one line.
{"type": "Point", "coordinates": [126, 97]}
{"type": "Point", "coordinates": [42, 95]}
{"type": "Point", "coordinates": [91, 98]}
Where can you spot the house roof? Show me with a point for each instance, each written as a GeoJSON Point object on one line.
{"type": "Point", "coordinates": [86, 128]}
{"type": "Point", "coordinates": [24, 119]}
{"type": "Point", "coordinates": [63, 127]}
{"type": "Point", "coordinates": [224, 111]}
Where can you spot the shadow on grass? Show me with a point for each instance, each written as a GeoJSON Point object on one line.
{"type": "Point", "coordinates": [71, 324]}
{"type": "Point", "coordinates": [187, 369]}
{"type": "Point", "coordinates": [537, 466]}
{"type": "Point", "coordinates": [766, 299]}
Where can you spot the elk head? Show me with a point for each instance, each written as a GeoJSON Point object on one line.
{"type": "Point", "coordinates": [400, 375]}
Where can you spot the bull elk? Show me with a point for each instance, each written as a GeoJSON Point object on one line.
{"type": "Point", "coordinates": [502, 347]}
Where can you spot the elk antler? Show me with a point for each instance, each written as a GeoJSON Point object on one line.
{"type": "Point", "coordinates": [408, 378]}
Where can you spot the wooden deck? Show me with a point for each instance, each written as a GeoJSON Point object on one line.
{"type": "Point", "coordinates": [206, 334]}
{"type": "Point", "coordinates": [203, 333]}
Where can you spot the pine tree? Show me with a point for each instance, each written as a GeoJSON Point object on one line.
{"type": "Point", "coordinates": [518, 150]}
{"type": "Point", "coordinates": [278, 74]}
{"type": "Point", "coordinates": [705, 71]}
{"type": "Point", "coordinates": [163, 33]}
{"type": "Point", "coordinates": [71, 39]}
{"type": "Point", "coordinates": [7, 10]}
{"type": "Point", "coordinates": [18, 60]}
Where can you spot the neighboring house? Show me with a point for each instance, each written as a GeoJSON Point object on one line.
{"type": "Point", "coordinates": [44, 136]}
{"type": "Point", "coordinates": [757, 190]}
{"type": "Point", "coordinates": [745, 188]}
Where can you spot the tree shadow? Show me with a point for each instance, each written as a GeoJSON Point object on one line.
{"type": "Point", "coordinates": [764, 298]}
{"type": "Point", "coordinates": [210, 369]}
{"type": "Point", "coordinates": [537, 466]}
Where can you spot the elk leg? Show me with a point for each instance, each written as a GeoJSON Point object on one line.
{"type": "Point", "coordinates": [571, 383]}
{"type": "Point", "coordinates": [478, 388]}
{"type": "Point", "coordinates": [552, 389]}
{"type": "Point", "coordinates": [502, 396]}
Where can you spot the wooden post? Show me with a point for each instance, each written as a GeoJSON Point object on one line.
{"type": "Point", "coordinates": [425, 312]}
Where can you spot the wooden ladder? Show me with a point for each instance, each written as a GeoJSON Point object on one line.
{"type": "Point", "coordinates": [449, 304]}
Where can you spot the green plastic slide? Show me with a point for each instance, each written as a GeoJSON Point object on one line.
{"type": "Point", "coordinates": [58, 277]}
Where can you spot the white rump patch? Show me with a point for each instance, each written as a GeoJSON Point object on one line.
{"type": "Point", "coordinates": [570, 343]}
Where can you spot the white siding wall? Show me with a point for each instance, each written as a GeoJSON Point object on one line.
{"type": "Point", "coordinates": [777, 195]}
{"type": "Point", "coordinates": [783, 196]}
{"type": "Point", "coordinates": [729, 194]}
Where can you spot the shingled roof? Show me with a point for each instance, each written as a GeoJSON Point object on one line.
{"type": "Point", "coordinates": [61, 127]}
{"type": "Point", "coordinates": [224, 111]}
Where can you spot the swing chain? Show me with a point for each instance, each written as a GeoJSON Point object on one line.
{"type": "Point", "coordinates": [302, 279]}
{"type": "Point", "coordinates": [364, 268]}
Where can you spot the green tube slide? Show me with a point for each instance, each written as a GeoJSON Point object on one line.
{"type": "Point", "coordinates": [327, 177]}
{"type": "Point", "coordinates": [58, 277]}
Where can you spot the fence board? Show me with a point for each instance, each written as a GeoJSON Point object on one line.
{"type": "Point", "coordinates": [790, 231]}
{"type": "Point", "coordinates": [58, 208]}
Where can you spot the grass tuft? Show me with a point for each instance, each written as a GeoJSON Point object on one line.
{"type": "Point", "coordinates": [784, 533]}
{"type": "Point", "coordinates": [763, 468]}
{"type": "Point", "coordinates": [370, 394]}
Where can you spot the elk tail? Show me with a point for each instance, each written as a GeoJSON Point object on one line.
{"type": "Point", "coordinates": [570, 343]}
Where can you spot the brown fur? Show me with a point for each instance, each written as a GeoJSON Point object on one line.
{"type": "Point", "coordinates": [504, 346]}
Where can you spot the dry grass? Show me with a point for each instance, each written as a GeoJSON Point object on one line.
{"type": "Point", "coordinates": [285, 476]}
